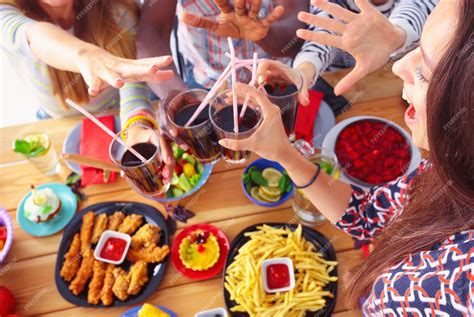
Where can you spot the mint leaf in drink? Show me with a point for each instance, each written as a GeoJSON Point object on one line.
{"type": "Point", "coordinates": [37, 151]}
{"type": "Point", "coordinates": [22, 146]}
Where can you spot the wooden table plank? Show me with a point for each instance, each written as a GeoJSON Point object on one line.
{"type": "Point", "coordinates": [377, 85]}
{"type": "Point", "coordinates": [42, 297]}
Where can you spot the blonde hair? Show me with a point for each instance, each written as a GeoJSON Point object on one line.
{"type": "Point", "coordinates": [94, 23]}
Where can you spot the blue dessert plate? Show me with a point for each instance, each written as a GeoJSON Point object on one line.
{"type": "Point", "coordinates": [64, 216]}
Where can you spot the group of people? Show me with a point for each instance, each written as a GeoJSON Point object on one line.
{"type": "Point", "coordinates": [104, 54]}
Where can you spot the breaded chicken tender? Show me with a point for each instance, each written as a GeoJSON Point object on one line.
{"type": "Point", "coordinates": [151, 254]}
{"type": "Point", "coordinates": [131, 223]}
{"type": "Point", "coordinates": [99, 227]}
{"type": "Point", "coordinates": [106, 295]}
{"type": "Point", "coordinates": [97, 282]}
{"type": "Point", "coordinates": [86, 231]}
{"type": "Point", "coordinates": [138, 277]}
{"type": "Point", "coordinates": [72, 259]}
{"type": "Point", "coordinates": [122, 281]}
{"type": "Point", "coordinates": [115, 220]}
{"type": "Point", "coordinates": [145, 236]}
{"type": "Point", "coordinates": [83, 274]}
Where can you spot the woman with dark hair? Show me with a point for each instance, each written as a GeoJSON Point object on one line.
{"type": "Point", "coordinates": [423, 264]}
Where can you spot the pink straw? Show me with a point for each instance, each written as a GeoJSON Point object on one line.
{"type": "Point", "coordinates": [210, 95]}
{"type": "Point", "coordinates": [252, 82]}
{"type": "Point", "coordinates": [234, 80]}
{"type": "Point", "coordinates": [106, 130]}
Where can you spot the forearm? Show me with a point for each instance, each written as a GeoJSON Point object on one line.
{"type": "Point", "coordinates": [331, 197]}
{"type": "Point", "coordinates": [56, 47]}
{"type": "Point", "coordinates": [281, 39]}
{"type": "Point", "coordinates": [153, 39]}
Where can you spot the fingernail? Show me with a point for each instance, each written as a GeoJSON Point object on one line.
{"type": "Point", "coordinates": [93, 92]}
{"type": "Point", "coordinates": [153, 68]}
{"type": "Point", "coordinates": [119, 82]}
{"type": "Point", "coordinates": [222, 143]}
{"type": "Point", "coordinates": [260, 79]}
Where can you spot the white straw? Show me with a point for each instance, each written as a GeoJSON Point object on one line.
{"type": "Point", "coordinates": [106, 130]}
{"type": "Point", "coordinates": [234, 80]}
{"type": "Point", "coordinates": [210, 95]}
{"type": "Point", "coordinates": [252, 82]}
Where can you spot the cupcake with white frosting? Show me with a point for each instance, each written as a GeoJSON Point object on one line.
{"type": "Point", "coordinates": [42, 205]}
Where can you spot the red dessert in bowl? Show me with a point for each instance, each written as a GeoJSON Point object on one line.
{"type": "Point", "coordinates": [373, 152]}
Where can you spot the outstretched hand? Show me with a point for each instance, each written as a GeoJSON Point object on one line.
{"type": "Point", "coordinates": [238, 22]}
{"type": "Point", "coordinates": [368, 36]}
{"type": "Point", "coordinates": [101, 69]}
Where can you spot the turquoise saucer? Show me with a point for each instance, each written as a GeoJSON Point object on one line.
{"type": "Point", "coordinates": [43, 229]}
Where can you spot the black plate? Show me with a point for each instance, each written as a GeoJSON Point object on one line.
{"type": "Point", "coordinates": [150, 214]}
{"type": "Point", "coordinates": [322, 245]}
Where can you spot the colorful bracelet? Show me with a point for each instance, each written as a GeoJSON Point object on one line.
{"type": "Point", "coordinates": [134, 119]}
{"type": "Point", "coordinates": [312, 180]}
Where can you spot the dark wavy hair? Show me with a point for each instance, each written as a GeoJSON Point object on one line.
{"type": "Point", "coordinates": [442, 198]}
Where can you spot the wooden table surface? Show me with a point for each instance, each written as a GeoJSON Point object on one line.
{"type": "Point", "coordinates": [29, 268]}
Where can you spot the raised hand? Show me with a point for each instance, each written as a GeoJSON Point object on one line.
{"type": "Point", "coordinates": [238, 22]}
{"type": "Point", "coordinates": [101, 69]}
{"type": "Point", "coordinates": [269, 140]}
{"type": "Point", "coordinates": [368, 36]}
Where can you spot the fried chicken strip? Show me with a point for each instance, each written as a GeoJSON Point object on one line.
{"type": "Point", "coordinates": [151, 254]}
{"type": "Point", "coordinates": [138, 277]}
{"type": "Point", "coordinates": [131, 223]}
{"type": "Point", "coordinates": [106, 295]}
{"type": "Point", "coordinates": [86, 231]}
{"type": "Point", "coordinates": [122, 281]}
{"type": "Point", "coordinates": [99, 227]}
{"type": "Point", "coordinates": [83, 274]}
{"type": "Point", "coordinates": [115, 220]}
{"type": "Point", "coordinates": [145, 236]}
{"type": "Point", "coordinates": [97, 282]}
{"type": "Point", "coordinates": [72, 259]}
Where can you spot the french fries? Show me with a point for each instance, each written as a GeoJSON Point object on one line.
{"type": "Point", "coordinates": [244, 281]}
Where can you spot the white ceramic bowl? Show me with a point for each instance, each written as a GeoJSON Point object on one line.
{"type": "Point", "coordinates": [103, 238]}
{"type": "Point", "coordinates": [285, 261]}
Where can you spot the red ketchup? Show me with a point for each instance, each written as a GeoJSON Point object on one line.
{"type": "Point", "coordinates": [278, 276]}
{"type": "Point", "coordinates": [113, 249]}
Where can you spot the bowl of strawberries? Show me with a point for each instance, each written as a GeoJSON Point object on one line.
{"type": "Point", "coordinates": [372, 151]}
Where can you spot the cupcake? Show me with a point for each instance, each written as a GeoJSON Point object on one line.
{"type": "Point", "coordinates": [42, 205]}
{"type": "Point", "coordinates": [199, 251]}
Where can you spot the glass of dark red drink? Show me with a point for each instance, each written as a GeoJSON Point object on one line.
{"type": "Point", "coordinates": [144, 177]}
{"type": "Point", "coordinates": [282, 89]}
{"type": "Point", "coordinates": [222, 118]}
{"type": "Point", "coordinates": [199, 136]}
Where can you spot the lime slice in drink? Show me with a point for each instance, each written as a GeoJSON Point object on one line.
{"type": "Point", "coordinates": [272, 176]}
{"type": "Point", "coordinates": [38, 140]}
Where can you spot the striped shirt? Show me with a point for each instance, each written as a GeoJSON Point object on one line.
{"type": "Point", "coordinates": [204, 50]}
{"type": "Point", "coordinates": [14, 43]}
{"type": "Point", "coordinates": [410, 15]}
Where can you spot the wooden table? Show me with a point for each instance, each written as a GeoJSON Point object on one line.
{"type": "Point", "coordinates": [29, 269]}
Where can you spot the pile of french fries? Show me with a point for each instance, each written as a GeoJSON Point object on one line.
{"type": "Point", "coordinates": [244, 281]}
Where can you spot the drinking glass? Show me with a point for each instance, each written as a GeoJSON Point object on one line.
{"type": "Point", "coordinates": [306, 212]}
{"type": "Point", "coordinates": [199, 136]}
{"type": "Point", "coordinates": [46, 159]}
{"type": "Point", "coordinates": [282, 89]}
{"type": "Point", "coordinates": [144, 177]}
{"type": "Point", "coordinates": [222, 118]}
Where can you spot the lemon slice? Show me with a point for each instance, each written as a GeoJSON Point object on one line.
{"type": "Point", "coordinates": [270, 191]}
{"type": "Point", "coordinates": [272, 176]}
{"type": "Point", "coordinates": [254, 193]}
{"type": "Point", "coordinates": [268, 198]}
{"type": "Point", "coordinates": [40, 199]}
